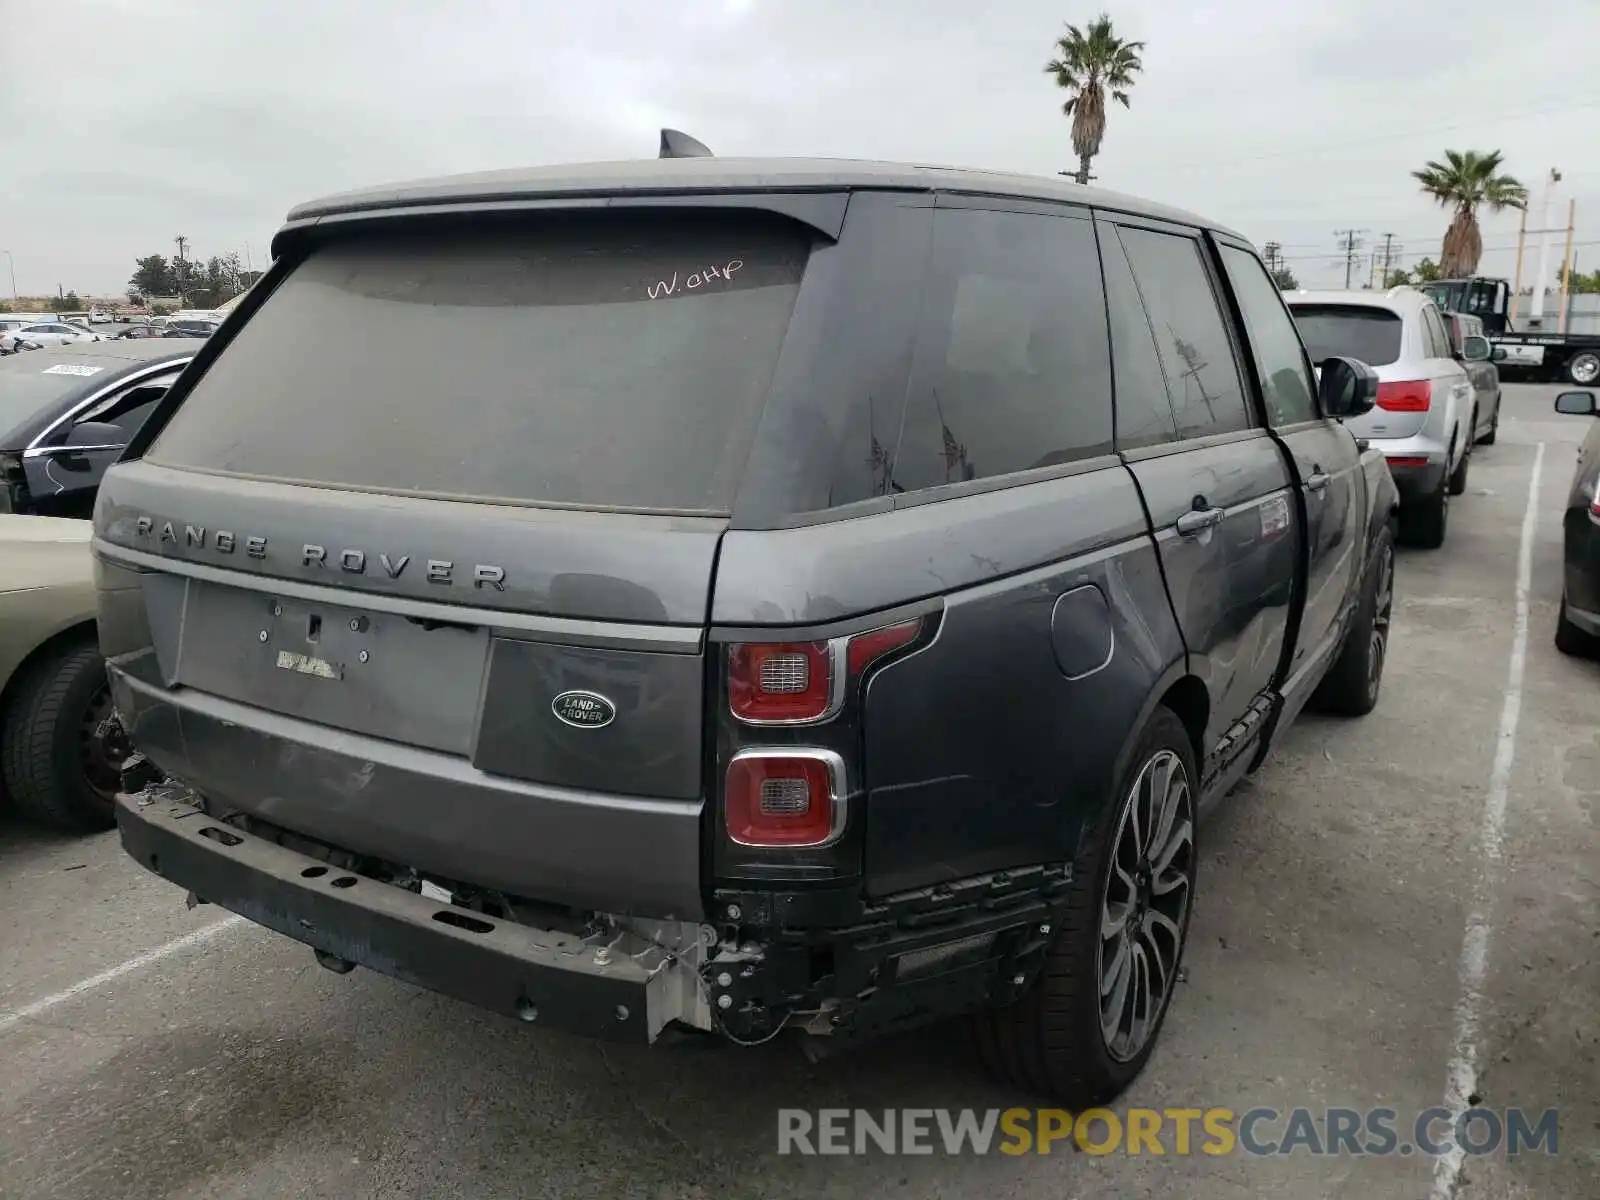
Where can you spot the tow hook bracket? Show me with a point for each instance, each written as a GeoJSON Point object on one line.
{"type": "Point", "coordinates": [339, 966]}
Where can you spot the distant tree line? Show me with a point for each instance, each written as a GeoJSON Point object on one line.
{"type": "Point", "coordinates": [197, 284]}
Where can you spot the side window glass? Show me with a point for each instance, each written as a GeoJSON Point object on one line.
{"type": "Point", "coordinates": [1202, 377]}
{"type": "Point", "coordinates": [1438, 341]}
{"type": "Point", "coordinates": [1144, 413]}
{"type": "Point", "coordinates": [1013, 367]}
{"type": "Point", "coordinates": [1280, 358]}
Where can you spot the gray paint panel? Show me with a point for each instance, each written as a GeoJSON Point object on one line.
{"type": "Point", "coordinates": [650, 747]}
{"type": "Point", "coordinates": [821, 572]}
{"type": "Point", "coordinates": [595, 566]}
{"type": "Point", "coordinates": [981, 754]}
{"type": "Point", "coordinates": [1231, 585]}
{"type": "Point", "coordinates": [420, 808]}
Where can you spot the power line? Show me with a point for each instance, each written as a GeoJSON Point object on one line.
{"type": "Point", "coordinates": [1315, 148]}
{"type": "Point", "coordinates": [1349, 242]}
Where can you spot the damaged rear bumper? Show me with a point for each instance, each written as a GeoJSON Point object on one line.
{"type": "Point", "coordinates": [622, 987]}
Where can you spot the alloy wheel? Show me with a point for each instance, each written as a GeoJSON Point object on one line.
{"type": "Point", "coordinates": [1382, 607]}
{"type": "Point", "coordinates": [1144, 911]}
{"type": "Point", "coordinates": [104, 746]}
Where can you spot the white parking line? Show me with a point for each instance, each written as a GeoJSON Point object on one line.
{"type": "Point", "coordinates": [1461, 1081]}
{"type": "Point", "coordinates": [41, 1006]}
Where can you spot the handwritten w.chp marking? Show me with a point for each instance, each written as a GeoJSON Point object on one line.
{"type": "Point", "coordinates": [698, 279]}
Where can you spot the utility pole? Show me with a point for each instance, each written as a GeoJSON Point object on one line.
{"type": "Point", "coordinates": [1536, 308]}
{"type": "Point", "coordinates": [1272, 253]}
{"type": "Point", "coordinates": [177, 273]}
{"type": "Point", "coordinates": [1388, 257]}
{"type": "Point", "coordinates": [1566, 267]}
{"type": "Point", "coordinates": [1350, 243]}
{"type": "Point", "coordinates": [1516, 286]}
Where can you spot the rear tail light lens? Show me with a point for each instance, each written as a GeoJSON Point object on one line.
{"type": "Point", "coordinates": [1411, 395]}
{"type": "Point", "coordinates": [1396, 460]}
{"type": "Point", "coordinates": [789, 683]}
{"type": "Point", "coordinates": [1594, 504]}
{"type": "Point", "coordinates": [782, 797]}
{"type": "Point", "coordinates": [780, 682]}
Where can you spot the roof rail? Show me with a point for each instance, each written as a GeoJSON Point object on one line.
{"type": "Point", "coordinates": [677, 144]}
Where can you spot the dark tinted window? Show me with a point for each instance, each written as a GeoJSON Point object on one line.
{"type": "Point", "coordinates": [1012, 368]}
{"type": "Point", "coordinates": [1287, 385]}
{"type": "Point", "coordinates": [1196, 353]}
{"type": "Point", "coordinates": [1144, 413]}
{"type": "Point", "coordinates": [1354, 331]}
{"type": "Point", "coordinates": [1438, 339]}
{"type": "Point", "coordinates": [30, 383]}
{"type": "Point", "coordinates": [592, 359]}
{"type": "Point", "coordinates": [832, 424]}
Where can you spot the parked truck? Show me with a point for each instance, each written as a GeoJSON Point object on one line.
{"type": "Point", "coordinates": [1538, 354]}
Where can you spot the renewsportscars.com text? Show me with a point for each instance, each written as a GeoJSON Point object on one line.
{"type": "Point", "coordinates": [1176, 1131]}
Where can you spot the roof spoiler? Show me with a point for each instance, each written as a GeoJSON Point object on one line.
{"type": "Point", "coordinates": [677, 144]}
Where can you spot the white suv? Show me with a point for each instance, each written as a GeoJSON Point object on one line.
{"type": "Point", "coordinates": [1424, 419]}
{"type": "Point", "coordinates": [45, 333]}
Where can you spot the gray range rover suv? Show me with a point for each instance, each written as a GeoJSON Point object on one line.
{"type": "Point", "coordinates": [745, 596]}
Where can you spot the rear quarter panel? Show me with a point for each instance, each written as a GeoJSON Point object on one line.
{"type": "Point", "coordinates": [49, 589]}
{"type": "Point", "coordinates": [994, 745]}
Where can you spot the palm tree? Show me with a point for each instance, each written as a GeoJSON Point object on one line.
{"type": "Point", "coordinates": [1091, 61]}
{"type": "Point", "coordinates": [1464, 181]}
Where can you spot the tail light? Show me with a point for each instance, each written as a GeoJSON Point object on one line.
{"type": "Point", "coordinates": [785, 797]}
{"type": "Point", "coordinates": [802, 683]}
{"type": "Point", "coordinates": [1411, 395]}
{"type": "Point", "coordinates": [1594, 505]}
{"type": "Point", "coordinates": [1407, 460]}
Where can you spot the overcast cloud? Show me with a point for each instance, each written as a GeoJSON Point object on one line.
{"type": "Point", "coordinates": [126, 122]}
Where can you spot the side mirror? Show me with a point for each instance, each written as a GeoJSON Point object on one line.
{"type": "Point", "coordinates": [1475, 348]}
{"type": "Point", "coordinates": [1576, 404]}
{"type": "Point", "coordinates": [86, 434]}
{"type": "Point", "coordinates": [1347, 387]}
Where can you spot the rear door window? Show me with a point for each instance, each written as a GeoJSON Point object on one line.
{"type": "Point", "coordinates": [1350, 331]}
{"type": "Point", "coordinates": [1144, 411]}
{"type": "Point", "coordinates": [598, 360]}
{"type": "Point", "coordinates": [1012, 370]}
{"type": "Point", "coordinates": [1438, 338]}
{"type": "Point", "coordinates": [1191, 335]}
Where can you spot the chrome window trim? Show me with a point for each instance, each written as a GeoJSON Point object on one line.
{"type": "Point", "coordinates": [94, 398]}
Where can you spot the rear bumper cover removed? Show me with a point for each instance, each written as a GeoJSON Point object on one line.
{"type": "Point", "coordinates": [626, 988]}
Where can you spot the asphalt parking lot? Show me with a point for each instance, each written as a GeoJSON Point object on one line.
{"type": "Point", "coordinates": [1392, 908]}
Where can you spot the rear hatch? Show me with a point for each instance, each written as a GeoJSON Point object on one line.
{"type": "Point", "coordinates": [1374, 335]}
{"type": "Point", "coordinates": [459, 490]}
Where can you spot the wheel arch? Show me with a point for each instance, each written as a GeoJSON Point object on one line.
{"type": "Point", "coordinates": [77, 631]}
{"type": "Point", "coordinates": [1186, 696]}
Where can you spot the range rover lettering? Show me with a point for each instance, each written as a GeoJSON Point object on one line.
{"type": "Point", "coordinates": [861, 577]}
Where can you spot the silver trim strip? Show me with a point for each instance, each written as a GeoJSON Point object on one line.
{"type": "Point", "coordinates": [665, 639]}
{"type": "Point", "coordinates": [127, 381]}
{"type": "Point", "coordinates": [838, 793]}
{"type": "Point", "coordinates": [47, 451]}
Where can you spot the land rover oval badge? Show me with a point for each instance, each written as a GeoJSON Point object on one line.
{"type": "Point", "coordinates": [584, 710]}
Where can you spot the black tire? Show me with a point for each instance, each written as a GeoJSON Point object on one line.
{"type": "Point", "coordinates": [1458, 477]}
{"type": "Point", "coordinates": [1570, 639]}
{"type": "Point", "coordinates": [1351, 686]}
{"type": "Point", "coordinates": [1050, 1040]}
{"type": "Point", "coordinates": [42, 739]}
{"type": "Point", "coordinates": [1583, 368]}
{"type": "Point", "coordinates": [1494, 429]}
{"type": "Point", "coordinates": [1424, 522]}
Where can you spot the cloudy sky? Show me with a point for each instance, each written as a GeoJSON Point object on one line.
{"type": "Point", "coordinates": [126, 122]}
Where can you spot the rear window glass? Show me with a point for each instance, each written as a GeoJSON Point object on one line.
{"type": "Point", "coordinates": [597, 360]}
{"type": "Point", "coordinates": [33, 382]}
{"type": "Point", "coordinates": [1369, 334]}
